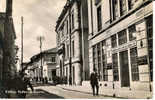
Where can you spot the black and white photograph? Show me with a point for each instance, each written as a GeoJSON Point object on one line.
{"type": "Point", "coordinates": [76, 49]}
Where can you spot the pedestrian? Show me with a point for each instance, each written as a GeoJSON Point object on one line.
{"type": "Point", "coordinates": [94, 82]}
{"type": "Point", "coordinates": [22, 83]}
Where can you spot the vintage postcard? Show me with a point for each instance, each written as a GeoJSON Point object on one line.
{"type": "Point", "coordinates": [76, 49]}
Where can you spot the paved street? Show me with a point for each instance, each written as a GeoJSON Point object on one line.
{"type": "Point", "coordinates": [57, 92]}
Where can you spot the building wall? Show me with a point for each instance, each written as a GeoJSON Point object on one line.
{"type": "Point", "coordinates": [1, 43]}
{"type": "Point", "coordinates": [79, 42]}
{"type": "Point", "coordinates": [76, 58]}
{"type": "Point", "coordinates": [136, 16]}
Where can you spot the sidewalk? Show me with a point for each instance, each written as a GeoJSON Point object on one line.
{"type": "Point", "coordinates": [82, 89]}
{"type": "Point", "coordinates": [87, 90]}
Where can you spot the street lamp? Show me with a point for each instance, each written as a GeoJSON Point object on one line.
{"type": "Point", "coordinates": [40, 38]}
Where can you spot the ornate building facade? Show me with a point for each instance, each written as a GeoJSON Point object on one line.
{"type": "Point", "coordinates": [121, 46]}
{"type": "Point", "coordinates": [72, 42]}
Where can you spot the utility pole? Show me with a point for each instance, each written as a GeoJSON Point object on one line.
{"type": "Point", "coordinates": [40, 39]}
{"type": "Point", "coordinates": [22, 42]}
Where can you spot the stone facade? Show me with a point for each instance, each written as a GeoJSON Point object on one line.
{"type": "Point", "coordinates": [72, 42]}
{"type": "Point", "coordinates": [120, 46]}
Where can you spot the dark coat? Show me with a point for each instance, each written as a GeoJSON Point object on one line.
{"type": "Point", "coordinates": [94, 79]}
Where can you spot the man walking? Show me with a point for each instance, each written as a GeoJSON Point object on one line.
{"type": "Point", "coordinates": [94, 82]}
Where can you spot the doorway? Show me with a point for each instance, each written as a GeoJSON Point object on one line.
{"type": "Point", "coordinates": [124, 67]}
{"type": "Point", "coordinates": [73, 75]}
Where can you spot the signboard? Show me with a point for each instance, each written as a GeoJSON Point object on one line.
{"type": "Point", "coordinates": [142, 60]}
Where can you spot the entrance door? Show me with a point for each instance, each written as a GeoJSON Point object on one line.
{"type": "Point", "coordinates": [73, 75]}
{"type": "Point", "coordinates": [125, 79]}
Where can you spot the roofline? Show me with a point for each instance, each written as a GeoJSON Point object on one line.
{"type": "Point", "coordinates": [67, 6]}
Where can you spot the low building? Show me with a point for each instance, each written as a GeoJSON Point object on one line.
{"type": "Point", "coordinates": [48, 62]}
{"type": "Point", "coordinates": [120, 46]}
{"type": "Point", "coordinates": [72, 42]}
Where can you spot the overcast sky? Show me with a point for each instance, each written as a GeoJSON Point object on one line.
{"type": "Point", "coordinates": [40, 17]}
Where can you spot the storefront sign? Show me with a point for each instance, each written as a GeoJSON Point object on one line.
{"type": "Point", "coordinates": [124, 47]}
{"type": "Point", "coordinates": [142, 60]}
{"type": "Point", "coordinates": [109, 66]}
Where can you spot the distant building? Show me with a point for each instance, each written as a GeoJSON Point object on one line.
{"type": "Point", "coordinates": [49, 65]}
{"type": "Point", "coordinates": [72, 42]}
{"type": "Point", "coordinates": [120, 46]}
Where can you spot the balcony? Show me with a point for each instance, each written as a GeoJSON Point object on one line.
{"type": "Point", "coordinates": [61, 49]}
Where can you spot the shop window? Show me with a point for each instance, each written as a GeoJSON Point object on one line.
{"type": "Point", "coordinates": [123, 7]}
{"type": "Point", "coordinates": [104, 64]}
{"type": "Point", "coordinates": [97, 2]}
{"type": "Point", "coordinates": [122, 37]}
{"type": "Point", "coordinates": [94, 57]}
{"type": "Point", "coordinates": [99, 58]}
{"type": "Point", "coordinates": [115, 9]}
{"type": "Point", "coordinates": [115, 67]}
{"type": "Point", "coordinates": [149, 24]}
{"type": "Point", "coordinates": [134, 65]}
{"type": "Point", "coordinates": [132, 32]}
{"type": "Point", "coordinates": [131, 4]}
{"type": "Point", "coordinates": [114, 41]}
{"type": "Point", "coordinates": [99, 20]}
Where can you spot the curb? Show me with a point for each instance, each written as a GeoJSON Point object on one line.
{"type": "Point", "coordinates": [89, 93]}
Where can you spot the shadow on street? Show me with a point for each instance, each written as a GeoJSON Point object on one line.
{"type": "Point", "coordinates": [42, 94]}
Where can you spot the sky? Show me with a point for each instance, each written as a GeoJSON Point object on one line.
{"type": "Point", "coordinates": [40, 18]}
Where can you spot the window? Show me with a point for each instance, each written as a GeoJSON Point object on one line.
{"type": "Point", "coordinates": [115, 67]}
{"type": "Point", "coordinates": [72, 15]}
{"type": "Point", "coordinates": [149, 22]}
{"type": "Point", "coordinates": [115, 9]}
{"type": "Point", "coordinates": [134, 65]}
{"type": "Point", "coordinates": [67, 51]}
{"type": "Point", "coordinates": [53, 60]}
{"type": "Point", "coordinates": [132, 32]}
{"type": "Point", "coordinates": [114, 41]}
{"type": "Point", "coordinates": [99, 20]}
{"type": "Point", "coordinates": [131, 4]}
{"type": "Point", "coordinates": [99, 58]}
{"type": "Point", "coordinates": [73, 48]}
{"type": "Point", "coordinates": [104, 64]}
{"type": "Point", "coordinates": [97, 2]}
{"type": "Point", "coordinates": [62, 30]}
{"type": "Point", "coordinates": [122, 37]}
{"type": "Point", "coordinates": [67, 27]}
{"type": "Point", "coordinates": [94, 57]}
{"type": "Point", "coordinates": [123, 7]}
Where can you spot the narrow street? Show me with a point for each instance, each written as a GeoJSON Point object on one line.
{"type": "Point", "coordinates": [57, 92]}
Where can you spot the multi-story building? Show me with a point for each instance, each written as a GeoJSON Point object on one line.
{"type": "Point", "coordinates": [2, 17]}
{"type": "Point", "coordinates": [72, 42]}
{"type": "Point", "coordinates": [48, 62]}
{"type": "Point", "coordinates": [7, 43]}
{"type": "Point", "coordinates": [120, 46]}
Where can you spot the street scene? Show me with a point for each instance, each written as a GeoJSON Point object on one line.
{"type": "Point", "coordinates": [76, 49]}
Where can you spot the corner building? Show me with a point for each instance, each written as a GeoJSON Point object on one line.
{"type": "Point", "coordinates": [120, 46]}
{"type": "Point", "coordinates": [72, 42]}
